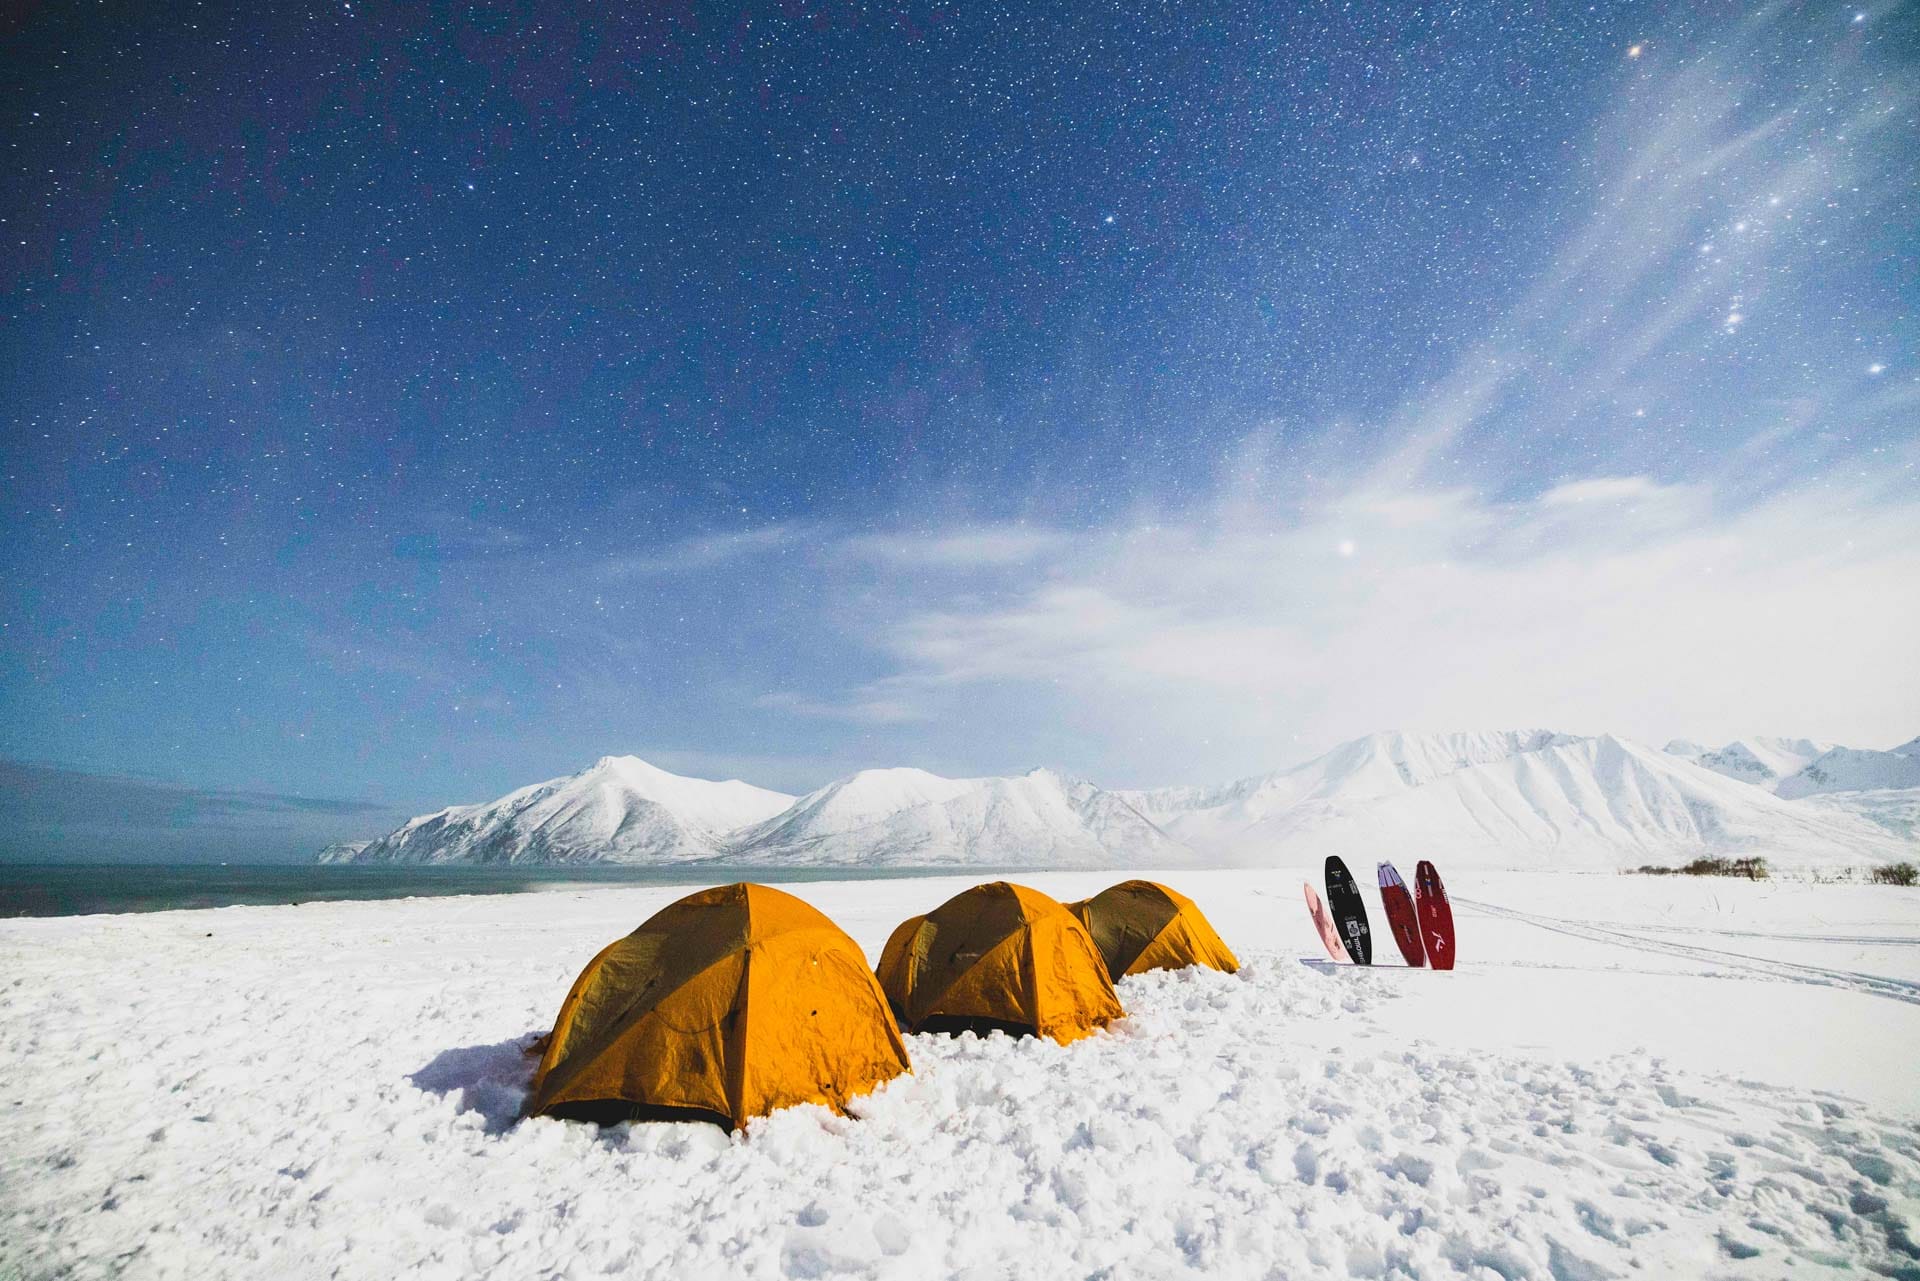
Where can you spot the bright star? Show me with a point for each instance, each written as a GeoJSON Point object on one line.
{"type": "Point", "coordinates": [1634, 51]}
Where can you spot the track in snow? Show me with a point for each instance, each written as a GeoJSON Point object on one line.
{"type": "Point", "coordinates": [1787, 971]}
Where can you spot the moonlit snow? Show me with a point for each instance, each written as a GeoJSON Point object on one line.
{"type": "Point", "coordinates": [1628, 1076]}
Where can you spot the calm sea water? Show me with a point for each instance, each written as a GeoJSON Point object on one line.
{"type": "Point", "coordinates": [75, 889]}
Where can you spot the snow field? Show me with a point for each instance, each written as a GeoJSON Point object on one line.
{"type": "Point", "coordinates": [332, 1090]}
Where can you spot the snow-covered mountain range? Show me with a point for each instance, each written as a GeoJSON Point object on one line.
{"type": "Point", "coordinates": [1530, 797]}
{"type": "Point", "coordinates": [910, 817]}
{"type": "Point", "coordinates": [618, 810]}
{"type": "Point", "coordinates": [1848, 769]}
{"type": "Point", "coordinates": [1764, 762]}
{"type": "Point", "coordinates": [1503, 798]}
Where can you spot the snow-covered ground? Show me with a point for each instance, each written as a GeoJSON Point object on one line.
{"type": "Point", "coordinates": [1672, 1077]}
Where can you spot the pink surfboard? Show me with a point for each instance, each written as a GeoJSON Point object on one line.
{"type": "Point", "coordinates": [1323, 921]}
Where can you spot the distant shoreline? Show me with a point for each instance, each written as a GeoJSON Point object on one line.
{"type": "Point", "coordinates": [96, 889]}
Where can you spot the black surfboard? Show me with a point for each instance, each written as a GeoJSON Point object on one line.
{"type": "Point", "coordinates": [1349, 911]}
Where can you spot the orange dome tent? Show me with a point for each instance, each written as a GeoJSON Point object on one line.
{"type": "Point", "coordinates": [723, 1006]}
{"type": "Point", "coordinates": [998, 956]}
{"type": "Point", "coordinates": [1138, 926]}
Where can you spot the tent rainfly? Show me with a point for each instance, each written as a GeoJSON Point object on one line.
{"type": "Point", "coordinates": [1140, 925]}
{"type": "Point", "coordinates": [998, 956]}
{"type": "Point", "coordinates": [723, 1006]}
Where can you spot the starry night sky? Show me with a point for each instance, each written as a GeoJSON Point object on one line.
{"type": "Point", "coordinates": [406, 403]}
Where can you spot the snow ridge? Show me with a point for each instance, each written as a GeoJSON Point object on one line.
{"type": "Point", "coordinates": [619, 810]}
{"type": "Point", "coordinates": [908, 817]}
{"type": "Point", "coordinates": [1849, 769]}
{"type": "Point", "coordinates": [1761, 761]}
{"type": "Point", "coordinates": [1515, 798]}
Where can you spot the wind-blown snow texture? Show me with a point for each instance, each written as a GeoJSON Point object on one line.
{"type": "Point", "coordinates": [1520, 798]}
{"type": "Point", "coordinates": [1628, 1077]}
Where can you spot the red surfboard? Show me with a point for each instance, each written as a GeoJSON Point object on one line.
{"type": "Point", "coordinates": [1323, 921]}
{"type": "Point", "coordinates": [1435, 914]}
{"type": "Point", "coordinates": [1400, 915]}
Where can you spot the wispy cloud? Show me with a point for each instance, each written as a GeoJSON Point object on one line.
{"type": "Point", "coordinates": [1717, 200]}
{"type": "Point", "coordinates": [1460, 611]}
{"type": "Point", "coordinates": [1617, 508]}
{"type": "Point", "coordinates": [1611, 512]}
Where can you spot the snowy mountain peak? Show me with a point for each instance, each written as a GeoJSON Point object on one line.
{"type": "Point", "coordinates": [1849, 769]}
{"type": "Point", "coordinates": [1761, 760]}
{"type": "Point", "coordinates": [1376, 765]}
{"type": "Point", "coordinates": [1504, 797]}
{"type": "Point", "coordinates": [909, 817]}
{"type": "Point", "coordinates": [620, 809]}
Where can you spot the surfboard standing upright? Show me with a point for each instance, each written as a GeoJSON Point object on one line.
{"type": "Point", "coordinates": [1329, 936]}
{"type": "Point", "coordinates": [1349, 911]}
{"type": "Point", "coordinates": [1400, 915]}
{"type": "Point", "coordinates": [1435, 913]}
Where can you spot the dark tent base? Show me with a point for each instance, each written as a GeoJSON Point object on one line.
{"type": "Point", "coordinates": [615, 1111]}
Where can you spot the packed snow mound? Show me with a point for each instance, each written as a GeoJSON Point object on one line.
{"type": "Point", "coordinates": [910, 818]}
{"type": "Point", "coordinates": [620, 810]}
{"type": "Point", "coordinates": [1552, 798]}
{"type": "Point", "coordinates": [1762, 761]}
{"type": "Point", "coordinates": [1850, 769]}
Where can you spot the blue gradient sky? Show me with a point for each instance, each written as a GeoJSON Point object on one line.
{"type": "Point", "coordinates": [402, 406]}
